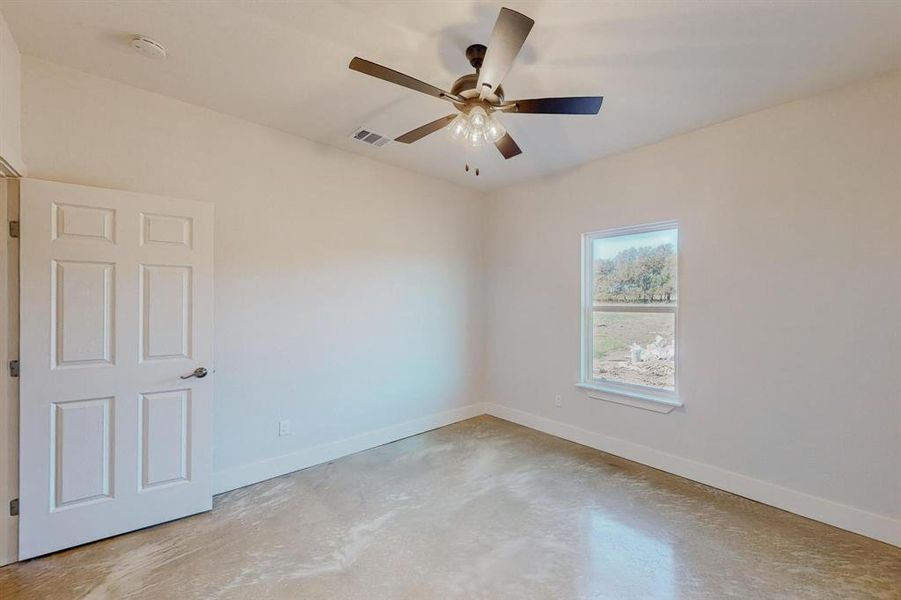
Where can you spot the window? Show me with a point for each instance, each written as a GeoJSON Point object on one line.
{"type": "Point", "coordinates": [629, 311]}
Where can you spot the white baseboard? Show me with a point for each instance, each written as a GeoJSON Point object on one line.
{"type": "Point", "coordinates": [846, 517]}
{"type": "Point", "coordinates": [248, 473]}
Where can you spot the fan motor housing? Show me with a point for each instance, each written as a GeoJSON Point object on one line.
{"type": "Point", "coordinates": [465, 86]}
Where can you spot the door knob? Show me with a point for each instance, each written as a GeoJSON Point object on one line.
{"type": "Point", "coordinates": [199, 373]}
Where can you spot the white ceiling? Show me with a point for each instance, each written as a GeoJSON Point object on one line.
{"type": "Point", "coordinates": [663, 67]}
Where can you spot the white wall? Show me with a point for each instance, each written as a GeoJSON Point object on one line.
{"type": "Point", "coordinates": [347, 291]}
{"type": "Point", "coordinates": [790, 290]}
{"type": "Point", "coordinates": [10, 91]}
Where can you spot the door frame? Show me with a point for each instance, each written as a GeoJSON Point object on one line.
{"type": "Point", "coordinates": [9, 386]}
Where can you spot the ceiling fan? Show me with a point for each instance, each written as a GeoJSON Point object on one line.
{"type": "Point", "coordinates": [477, 95]}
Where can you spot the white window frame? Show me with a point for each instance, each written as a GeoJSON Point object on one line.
{"type": "Point", "coordinates": [640, 396]}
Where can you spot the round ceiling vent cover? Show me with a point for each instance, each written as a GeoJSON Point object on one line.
{"type": "Point", "coordinates": [148, 47]}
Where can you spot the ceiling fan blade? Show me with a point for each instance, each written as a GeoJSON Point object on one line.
{"type": "Point", "coordinates": [581, 105]}
{"type": "Point", "coordinates": [510, 32]}
{"type": "Point", "coordinates": [507, 146]}
{"type": "Point", "coordinates": [421, 132]}
{"type": "Point", "coordinates": [376, 70]}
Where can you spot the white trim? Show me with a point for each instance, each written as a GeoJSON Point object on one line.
{"type": "Point", "coordinates": [635, 308]}
{"type": "Point", "coordinates": [249, 473]}
{"type": "Point", "coordinates": [612, 393]}
{"type": "Point", "coordinates": [9, 386]}
{"type": "Point", "coordinates": [879, 527]}
{"type": "Point", "coordinates": [8, 169]}
{"type": "Point", "coordinates": [632, 229]}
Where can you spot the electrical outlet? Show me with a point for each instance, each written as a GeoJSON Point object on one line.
{"type": "Point", "coordinates": [558, 401]}
{"type": "Point", "coordinates": [284, 427]}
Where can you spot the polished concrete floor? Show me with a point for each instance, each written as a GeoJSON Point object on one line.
{"type": "Point", "coordinates": [479, 509]}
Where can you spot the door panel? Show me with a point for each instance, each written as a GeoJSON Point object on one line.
{"type": "Point", "coordinates": [166, 230]}
{"type": "Point", "coordinates": [81, 449]}
{"type": "Point", "coordinates": [165, 312]}
{"type": "Point", "coordinates": [165, 438]}
{"type": "Point", "coordinates": [84, 222]}
{"type": "Point", "coordinates": [83, 304]}
{"type": "Point", "coordinates": [116, 291]}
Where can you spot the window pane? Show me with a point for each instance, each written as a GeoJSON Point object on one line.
{"type": "Point", "coordinates": [638, 268]}
{"type": "Point", "coordinates": [636, 348]}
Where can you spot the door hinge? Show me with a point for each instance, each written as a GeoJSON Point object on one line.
{"type": "Point", "coordinates": [14, 507]}
{"type": "Point", "coordinates": [13, 229]}
{"type": "Point", "coordinates": [13, 368]}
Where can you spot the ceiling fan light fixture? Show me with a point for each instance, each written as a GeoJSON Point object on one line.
{"type": "Point", "coordinates": [459, 127]}
{"type": "Point", "coordinates": [478, 118]}
{"type": "Point", "coordinates": [477, 127]}
{"type": "Point", "coordinates": [495, 130]}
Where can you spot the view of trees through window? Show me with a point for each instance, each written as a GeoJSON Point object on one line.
{"type": "Point", "coordinates": [637, 274]}
{"type": "Point", "coordinates": [634, 308]}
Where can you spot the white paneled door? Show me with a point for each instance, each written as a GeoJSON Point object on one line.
{"type": "Point", "coordinates": [117, 310]}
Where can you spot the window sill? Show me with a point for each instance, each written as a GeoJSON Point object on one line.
{"type": "Point", "coordinates": [627, 397]}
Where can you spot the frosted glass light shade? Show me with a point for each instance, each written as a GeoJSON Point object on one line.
{"type": "Point", "coordinates": [495, 131]}
{"type": "Point", "coordinates": [459, 127]}
{"type": "Point", "coordinates": [478, 118]}
{"type": "Point", "coordinates": [476, 127]}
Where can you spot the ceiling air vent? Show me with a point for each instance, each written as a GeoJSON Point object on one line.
{"type": "Point", "coordinates": [369, 137]}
